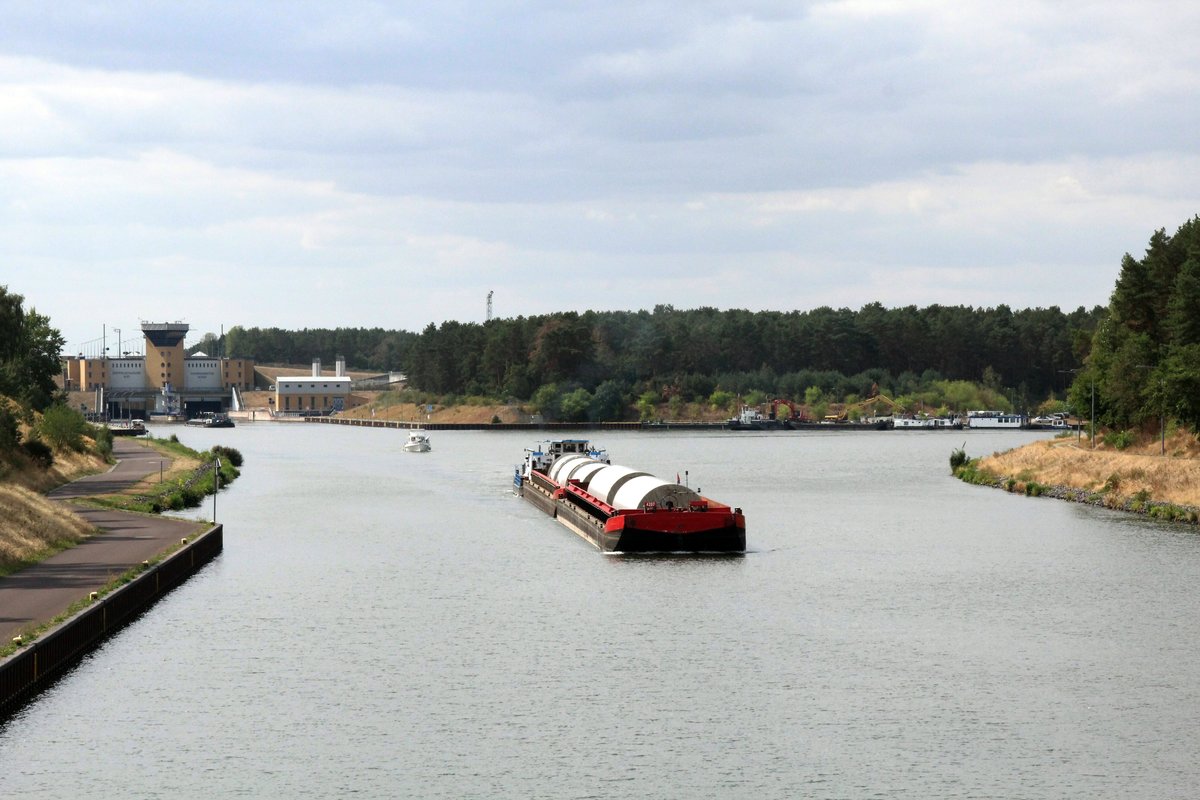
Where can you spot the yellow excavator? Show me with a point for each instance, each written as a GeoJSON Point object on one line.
{"type": "Point", "coordinates": [866, 408]}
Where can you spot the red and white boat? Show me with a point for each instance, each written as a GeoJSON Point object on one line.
{"type": "Point", "coordinates": [620, 509]}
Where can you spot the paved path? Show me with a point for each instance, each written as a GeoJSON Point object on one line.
{"type": "Point", "coordinates": [39, 593]}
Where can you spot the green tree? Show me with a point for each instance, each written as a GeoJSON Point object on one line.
{"type": "Point", "coordinates": [608, 403]}
{"type": "Point", "coordinates": [575, 404]}
{"type": "Point", "coordinates": [547, 401]}
{"type": "Point", "coordinates": [1183, 307]}
{"type": "Point", "coordinates": [29, 353]}
{"type": "Point", "coordinates": [647, 406]}
{"type": "Point", "coordinates": [1181, 391]}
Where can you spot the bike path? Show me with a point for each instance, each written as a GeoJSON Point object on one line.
{"type": "Point", "coordinates": [39, 593]}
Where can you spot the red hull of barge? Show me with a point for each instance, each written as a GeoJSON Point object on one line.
{"type": "Point", "coordinates": [705, 526]}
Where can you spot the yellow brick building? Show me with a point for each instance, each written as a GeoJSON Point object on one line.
{"type": "Point", "coordinates": [165, 380]}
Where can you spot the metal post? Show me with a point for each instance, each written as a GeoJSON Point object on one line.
{"type": "Point", "coordinates": [1162, 419]}
{"type": "Point", "coordinates": [216, 486]}
{"type": "Point", "coordinates": [1092, 421]}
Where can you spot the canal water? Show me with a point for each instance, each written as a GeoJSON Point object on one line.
{"type": "Point", "coordinates": [384, 624]}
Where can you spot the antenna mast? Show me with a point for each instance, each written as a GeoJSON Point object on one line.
{"type": "Point", "coordinates": [489, 306]}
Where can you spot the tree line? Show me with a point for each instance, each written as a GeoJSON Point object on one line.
{"type": "Point", "coordinates": [29, 353]}
{"type": "Point", "coordinates": [1024, 355]}
{"type": "Point", "coordinates": [30, 349]}
{"type": "Point", "coordinates": [372, 349]}
{"type": "Point", "coordinates": [1144, 361]}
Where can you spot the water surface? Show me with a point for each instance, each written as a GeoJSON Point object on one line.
{"type": "Point", "coordinates": [387, 624]}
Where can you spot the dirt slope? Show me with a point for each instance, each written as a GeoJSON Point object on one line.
{"type": "Point", "coordinates": [1068, 462]}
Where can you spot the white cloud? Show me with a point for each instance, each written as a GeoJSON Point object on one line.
{"type": "Point", "coordinates": [763, 154]}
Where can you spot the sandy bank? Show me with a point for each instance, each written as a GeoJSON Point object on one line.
{"type": "Point", "coordinates": [1134, 479]}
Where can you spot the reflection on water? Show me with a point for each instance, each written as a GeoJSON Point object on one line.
{"type": "Point", "coordinates": [388, 626]}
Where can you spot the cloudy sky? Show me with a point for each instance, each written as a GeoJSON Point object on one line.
{"type": "Point", "coordinates": [319, 164]}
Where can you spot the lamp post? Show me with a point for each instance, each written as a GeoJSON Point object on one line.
{"type": "Point", "coordinates": [1092, 419]}
{"type": "Point", "coordinates": [1162, 417]}
{"type": "Point", "coordinates": [216, 485]}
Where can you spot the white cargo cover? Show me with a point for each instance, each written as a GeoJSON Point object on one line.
{"type": "Point", "coordinates": [584, 472]}
{"type": "Point", "coordinates": [561, 468]}
{"type": "Point", "coordinates": [626, 488]}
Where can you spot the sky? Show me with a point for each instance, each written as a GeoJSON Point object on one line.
{"type": "Point", "coordinates": [388, 164]}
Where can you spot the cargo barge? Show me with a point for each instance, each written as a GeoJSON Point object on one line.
{"type": "Point", "coordinates": [619, 509]}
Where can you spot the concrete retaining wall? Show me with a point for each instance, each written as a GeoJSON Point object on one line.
{"type": "Point", "coordinates": [516, 426]}
{"type": "Point", "coordinates": [36, 666]}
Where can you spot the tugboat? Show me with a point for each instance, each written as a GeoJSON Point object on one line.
{"type": "Point", "coordinates": [619, 509]}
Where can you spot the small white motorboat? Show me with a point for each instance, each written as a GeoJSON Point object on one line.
{"type": "Point", "coordinates": [418, 442]}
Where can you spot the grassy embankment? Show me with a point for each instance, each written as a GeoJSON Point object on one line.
{"type": "Point", "coordinates": [185, 485]}
{"type": "Point", "coordinates": [33, 528]}
{"type": "Point", "coordinates": [1135, 478]}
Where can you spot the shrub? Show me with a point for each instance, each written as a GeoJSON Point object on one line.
{"type": "Point", "coordinates": [647, 406]}
{"type": "Point", "coordinates": [970, 473]}
{"type": "Point", "coordinates": [40, 452]}
{"type": "Point", "coordinates": [721, 400]}
{"type": "Point", "coordinates": [104, 441]}
{"type": "Point", "coordinates": [9, 435]}
{"type": "Point", "coordinates": [63, 427]}
{"type": "Point", "coordinates": [958, 457]}
{"type": "Point", "coordinates": [495, 419]}
{"type": "Point", "coordinates": [675, 405]}
{"type": "Point", "coordinates": [230, 454]}
{"type": "Point", "coordinates": [1118, 439]}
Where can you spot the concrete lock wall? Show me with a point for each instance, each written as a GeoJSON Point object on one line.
{"type": "Point", "coordinates": [36, 666]}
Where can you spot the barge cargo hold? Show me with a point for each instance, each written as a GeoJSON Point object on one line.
{"type": "Point", "coordinates": [619, 509]}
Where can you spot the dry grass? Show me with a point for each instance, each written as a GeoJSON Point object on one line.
{"type": "Point", "coordinates": [67, 467]}
{"type": "Point", "coordinates": [460, 414]}
{"type": "Point", "coordinates": [177, 465]}
{"type": "Point", "coordinates": [1121, 474]}
{"type": "Point", "coordinates": [32, 527]}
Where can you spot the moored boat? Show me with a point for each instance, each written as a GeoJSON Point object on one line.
{"type": "Point", "coordinates": [619, 509]}
{"type": "Point", "coordinates": [208, 419]}
{"type": "Point", "coordinates": [925, 423]}
{"type": "Point", "coordinates": [1056, 421]}
{"type": "Point", "coordinates": [127, 427]}
{"type": "Point", "coordinates": [751, 419]}
{"type": "Point", "coordinates": [994, 419]}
